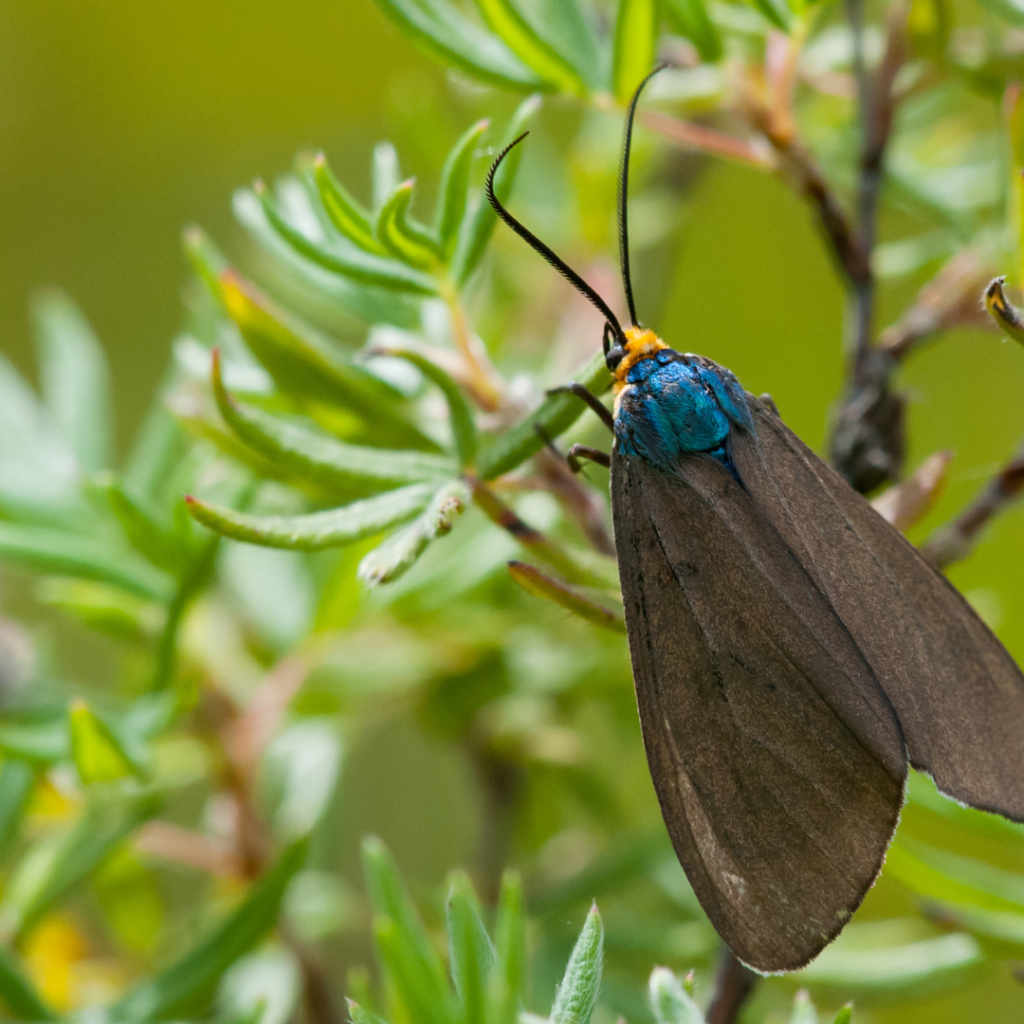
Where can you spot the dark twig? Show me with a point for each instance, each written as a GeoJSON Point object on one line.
{"type": "Point", "coordinates": [949, 299]}
{"type": "Point", "coordinates": [734, 985]}
{"type": "Point", "coordinates": [956, 539]}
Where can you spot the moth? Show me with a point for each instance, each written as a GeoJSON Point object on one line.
{"type": "Point", "coordinates": [792, 652]}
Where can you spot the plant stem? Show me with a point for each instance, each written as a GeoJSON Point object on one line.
{"type": "Point", "coordinates": [734, 986]}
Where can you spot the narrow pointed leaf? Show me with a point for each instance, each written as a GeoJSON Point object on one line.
{"type": "Point", "coordinates": [53, 867]}
{"type": "Point", "coordinates": [385, 173]}
{"type": "Point", "coordinates": [413, 966]}
{"type": "Point", "coordinates": [636, 30]}
{"type": "Point", "coordinates": [96, 750]}
{"type": "Point", "coordinates": [555, 415]}
{"type": "Point", "coordinates": [775, 13]}
{"type": "Point", "coordinates": [577, 992]}
{"type": "Point", "coordinates": [478, 225]}
{"type": "Point", "coordinates": [804, 1011]}
{"type": "Point", "coordinates": [358, 1014]}
{"type": "Point", "coordinates": [189, 983]}
{"type": "Point", "coordinates": [461, 418]}
{"type": "Point", "coordinates": [316, 530]}
{"type": "Point", "coordinates": [691, 18]}
{"type": "Point", "coordinates": [75, 379]}
{"type": "Point", "coordinates": [360, 266]}
{"type": "Point", "coordinates": [302, 363]}
{"type": "Point", "coordinates": [504, 994]}
{"type": "Point", "coordinates": [533, 581]}
{"type": "Point", "coordinates": [913, 967]}
{"type": "Point", "coordinates": [922, 792]}
{"type": "Point", "coordinates": [17, 991]}
{"type": "Point", "coordinates": [54, 551]}
{"type": "Point", "coordinates": [442, 31]}
{"type": "Point", "coordinates": [669, 1000]}
{"type": "Point", "coordinates": [454, 190]}
{"type": "Point", "coordinates": [205, 257]}
{"type": "Point", "coordinates": [141, 529]}
{"type": "Point", "coordinates": [344, 212]}
{"type": "Point", "coordinates": [40, 738]}
{"type": "Point", "coordinates": [319, 457]}
{"type": "Point", "coordinates": [16, 780]}
{"type": "Point", "coordinates": [322, 288]}
{"type": "Point", "coordinates": [470, 953]}
{"type": "Point", "coordinates": [404, 239]}
{"type": "Point", "coordinates": [570, 30]}
{"type": "Point", "coordinates": [954, 879]}
{"type": "Point", "coordinates": [845, 1015]}
{"type": "Point", "coordinates": [399, 552]}
{"type": "Point", "coordinates": [517, 33]}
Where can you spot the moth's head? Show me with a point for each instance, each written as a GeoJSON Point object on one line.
{"type": "Point", "coordinates": [638, 343]}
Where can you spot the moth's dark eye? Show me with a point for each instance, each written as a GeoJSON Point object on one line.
{"type": "Point", "coordinates": [614, 357]}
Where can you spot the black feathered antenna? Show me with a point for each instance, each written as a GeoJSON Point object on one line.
{"type": "Point", "coordinates": [627, 142]}
{"type": "Point", "coordinates": [556, 261]}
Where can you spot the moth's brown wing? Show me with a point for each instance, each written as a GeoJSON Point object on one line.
{"type": "Point", "coordinates": [777, 760]}
{"type": "Point", "coordinates": [958, 694]}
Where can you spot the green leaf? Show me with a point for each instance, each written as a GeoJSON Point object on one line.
{"type": "Point", "coordinates": [96, 750]}
{"type": "Point", "coordinates": [555, 415]}
{"type": "Point", "coordinates": [74, 378]}
{"type": "Point", "coordinates": [845, 1015]}
{"type": "Point", "coordinates": [534, 582]}
{"type": "Point", "coordinates": [776, 12]}
{"type": "Point", "coordinates": [470, 952]}
{"type": "Point", "coordinates": [1011, 11]}
{"type": "Point", "coordinates": [636, 31]}
{"type": "Point", "coordinates": [551, 67]}
{"type": "Point", "coordinates": [316, 456]}
{"type": "Point", "coordinates": [922, 792]}
{"type": "Point", "coordinates": [953, 879]}
{"type": "Point", "coordinates": [669, 1000]}
{"type": "Point", "coordinates": [504, 991]}
{"type": "Point", "coordinates": [442, 31]}
{"type": "Point", "coordinates": [855, 962]}
{"type": "Point", "coordinates": [102, 607]}
{"type": "Point", "coordinates": [316, 287]}
{"type": "Point", "coordinates": [804, 1011]}
{"type": "Point", "coordinates": [577, 993]}
{"type": "Point", "coordinates": [358, 1014]}
{"type": "Point", "coordinates": [404, 238]}
{"type": "Point", "coordinates": [141, 529]}
{"type": "Point", "coordinates": [40, 738]}
{"type": "Point", "coordinates": [54, 866]}
{"type": "Point", "coordinates": [691, 18]}
{"type": "Point", "coordinates": [478, 225]}
{"type": "Point", "coordinates": [459, 414]}
{"type": "Point", "coordinates": [569, 29]}
{"type": "Point", "coordinates": [53, 551]}
{"type": "Point", "coordinates": [16, 780]}
{"type": "Point", "coordinates": [188, 984]}
{"type": "Point", "coordinates": [18, 992]}
{"type": "Point", "coordinates": [302, 363]}
{"type": "Point", "coordinates": [344, 212]}
{"type": "Point", "coordinates": [360, 266]}
{"type": "Point", "coordinates": [400, 551]}
{"type": "Point", "coordinates": [411, 963]}
{"type": "Point", "coordinates": [454, 188]}
{"type": "Point", "coordinates": [316, 530]}
{"type": "Point", "coordinates": [206, 259]}
{"type": "Point", "coordinates": [384, 172]}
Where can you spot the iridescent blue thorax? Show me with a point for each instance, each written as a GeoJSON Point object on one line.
{"type": "Point", "coordinates": [670, 404]}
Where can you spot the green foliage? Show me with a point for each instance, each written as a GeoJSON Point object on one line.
{"type": "Point", "coordinates": [371, 402]}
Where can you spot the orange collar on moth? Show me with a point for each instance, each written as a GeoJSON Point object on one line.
{"type": "Point", "coordinates": [640, 344]}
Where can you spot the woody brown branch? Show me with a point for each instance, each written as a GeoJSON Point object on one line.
{"type": "Point", "coordinates": [956, 540]}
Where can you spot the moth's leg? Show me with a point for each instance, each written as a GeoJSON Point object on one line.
{"type": "Point", "coordinates": [584, 451]}
{"type": "Point", "coordinates": [590, 398]}
{"type": "Point", "coordinates": [767, 400]}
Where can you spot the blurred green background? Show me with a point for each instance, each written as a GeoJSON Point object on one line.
{"type": "Point", "coordinates": [120, 123]}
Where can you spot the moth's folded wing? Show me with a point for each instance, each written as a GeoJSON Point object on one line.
{"type": "Point", "coordinates": [958, 694]}
{"type": "Point", "coordinates": [777, 759]}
